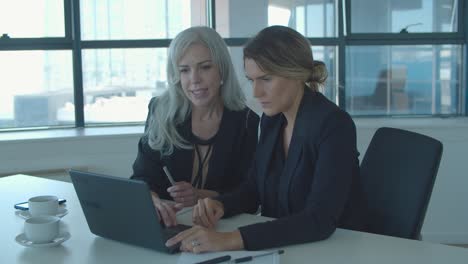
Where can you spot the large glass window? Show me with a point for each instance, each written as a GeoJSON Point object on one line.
{"type": "Point", "coordinates": [139, 19]}
{"type": "Point", "coordinates": [403, 80]}
{"type": "Point", "coordinates": [244, 18]}
{"type": "Point", "coordinates": [327, 54]}
{"type": "Point", "coordinates": [403, 16]}
{"type": "Point", "coordinates": [315, 18]}
{"type": "Point", "coordinates": [386, 58]}
{"type": "Point", "coordinates": [32, 19]}
{"type": "Point", "coordinates": [37, 88]}
{"type": "Point", "coordinates": [118, 83]}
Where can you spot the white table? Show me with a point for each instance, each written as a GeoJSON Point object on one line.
{"type": "Point", "coordinates": [83, 247]}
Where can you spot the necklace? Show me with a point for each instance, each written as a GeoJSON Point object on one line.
{"type": "Point", "coordinates": [198, 182]}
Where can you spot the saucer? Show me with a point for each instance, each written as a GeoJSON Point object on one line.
{"type": "Point", "coordinates": [62, 237]}
{"type": "Point", "coordinates": [61, 212]}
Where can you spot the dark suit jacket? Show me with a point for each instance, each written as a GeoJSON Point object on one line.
{"type": "Point", "coordinates": [232, 153]}
{"type": "Point", "coordinates": [322, 162]}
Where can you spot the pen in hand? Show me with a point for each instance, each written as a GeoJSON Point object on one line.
{"type": "Point", "coordinates": [169, 176]}
{"type": "Point", "coordinates": [249, 258]}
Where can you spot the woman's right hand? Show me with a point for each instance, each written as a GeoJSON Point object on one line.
{"type": "Point", "coordinates": [167, 211]}
{"type": "Point", "coordinates": [207, 212]}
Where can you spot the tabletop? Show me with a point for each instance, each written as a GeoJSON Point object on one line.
{"type": "Point", "coordinates": [344, 246]}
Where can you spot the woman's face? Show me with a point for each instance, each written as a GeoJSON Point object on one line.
{"type": "Point", "coordinates": [274, 93]}
{"type": "Point", "coordinates": [199, 76]}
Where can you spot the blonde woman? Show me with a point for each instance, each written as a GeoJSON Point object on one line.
{"type": "Point", "coordinates": [200, 129]}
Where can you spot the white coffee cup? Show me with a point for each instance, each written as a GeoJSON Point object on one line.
{"type": "Point", "coordinates": [41, 229]}
{"type": "Point", "coordinates": [43, 205]}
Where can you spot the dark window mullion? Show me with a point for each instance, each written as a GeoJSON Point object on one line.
{"type": "Point", "coordinates": [236, 42]}
{"type": "Point", "coordinates": [348, 16]}
{"type": "Point", "coordinates": [137, 43]}
{"type": "Point", "coordinates": [385, 42]}
{"type": "Point", "coordinates": [77, 64]}
{"type": "Point", "coordinates": [324, 41]}
{"type": "Point", "coordinates": [342, 53]}
{"type": "Point", "coordinates": [68, 19]}
{"type": "Point", "coordinates": [437, 82]}
{"type": "Point", "coordinates": [461, 18]}
{"type": "Point", "coordinates": [464, 21]}
{"type": "Point", "coordinates": [211, 13]}
{"type": "Point", "coordinates": [406, 36]}
{"type": "Point", "coordinates": [34, 44]}
{"type": "Point", "coordinates": [239, 42]}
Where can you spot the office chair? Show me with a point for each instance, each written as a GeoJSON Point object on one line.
{"type": "Point", "coordinates": [397, 176]}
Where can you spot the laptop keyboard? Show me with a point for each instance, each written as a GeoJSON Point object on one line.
{"type": "Point", "coordinates": [174, 230]}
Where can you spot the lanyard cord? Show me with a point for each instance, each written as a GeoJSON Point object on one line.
{"type": "Point", "coordinates": [197, 182]}
{"type": "Point", "coordinates": [196, 141]}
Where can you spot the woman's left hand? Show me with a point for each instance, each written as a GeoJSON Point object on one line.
{"type": "Point", "coordinates": [199, 239]}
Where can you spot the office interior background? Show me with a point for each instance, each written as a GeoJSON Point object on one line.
{"type": "Point", "coordinates": [77, 75]}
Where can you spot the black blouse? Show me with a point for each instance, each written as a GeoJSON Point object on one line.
{"type": "Point", "coordinates": [232, 153]}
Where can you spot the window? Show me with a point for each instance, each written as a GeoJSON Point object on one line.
{"type": "Point", "coordinates": [408, 61]}
{"type": "Point", "coordinates": [402, 80]}
{"type": "Point", "coordinates": [118, 83]}
{"type": "Point", "coordinates": [138, 19]}
{"type": "Point", "coordinates": [327, 54]}
{"type": "Point", "coordinates": [395, 16]}
{"type": "Point", "coordinates": [92, 62]}
{"type": "Point", "coordinates": [315, 18]}
{"type": "Point", "coordinates": [37, 88]}
{"type": "Point", "coordinates": [32, 19]}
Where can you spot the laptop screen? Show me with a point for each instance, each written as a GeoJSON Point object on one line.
{"type": "Point", "coordinates": [120, 209]}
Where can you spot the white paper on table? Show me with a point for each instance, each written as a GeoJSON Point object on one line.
{"type": "Point", "coordinates": [190, 258]}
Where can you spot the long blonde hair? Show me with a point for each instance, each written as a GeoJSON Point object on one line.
{"type": "Point", "coordinates": [173, 108]}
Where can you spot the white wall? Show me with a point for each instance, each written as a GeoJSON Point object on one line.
{"type": "Point", "coordinates": [447, 215]}
{"type": "Point", "coordinates": [105, 152]}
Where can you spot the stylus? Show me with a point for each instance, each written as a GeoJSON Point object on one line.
{"type": "Point", "coordinates": [215, 260]}
{"type": "Point", "coordinates": [169, 176]}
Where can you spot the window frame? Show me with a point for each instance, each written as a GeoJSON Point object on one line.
{"type": "Point", "coordinates": [72, 41]}
{"type": "Point", "coordinates": [395, 39]}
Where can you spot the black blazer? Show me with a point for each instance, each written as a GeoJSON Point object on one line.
{"type": "Point", "coordinates": [322, 162]}
{"type": "Point", "coordinates": [232, 153]}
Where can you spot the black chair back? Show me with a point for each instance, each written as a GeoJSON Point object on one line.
{"type": "Point", "coordinates": [398, 173]}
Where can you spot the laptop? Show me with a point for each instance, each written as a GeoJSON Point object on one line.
{"type": "Point", "coordinates": [122, 210]}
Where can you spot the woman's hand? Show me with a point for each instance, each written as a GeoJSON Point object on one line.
{"type": "Point", "coordinates": [207, 212]}
{"type": "Point", "coordinates": [167, 210]}
{"type": "Point", "coordinates": [184, 194]}
{"type": "Point", "coordinates": [199, 239]}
